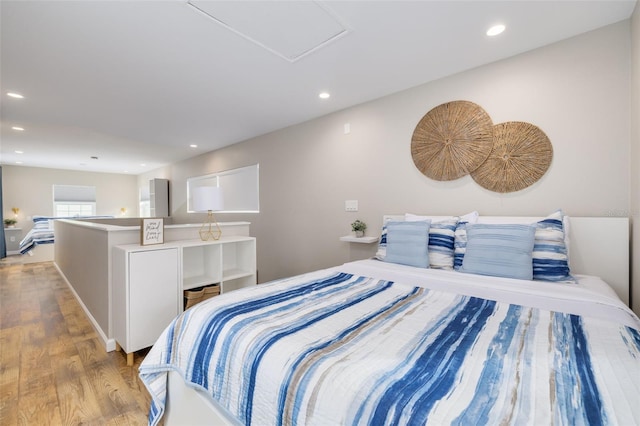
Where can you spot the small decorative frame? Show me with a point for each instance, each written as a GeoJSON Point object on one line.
{"type": "Point", "coordinates": [151, 231]}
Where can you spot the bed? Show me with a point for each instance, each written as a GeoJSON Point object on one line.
{"type": "Point", "coordinates": [42, 233]}
{"type": "Point", "coordinates": [379, 341]}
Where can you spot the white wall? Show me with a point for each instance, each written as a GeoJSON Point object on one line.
{"type": "Point", "coordinates": [635, 157]}
{"type": "Point", "coordinates": [576, 91]}
{"type": "Point", "coordinates": [31, 190]}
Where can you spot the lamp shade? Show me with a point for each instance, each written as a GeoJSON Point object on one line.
{"type": "Point", "coordinates": [207, 198]}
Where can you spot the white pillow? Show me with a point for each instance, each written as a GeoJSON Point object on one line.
{"type": "Point", "coordinates": [408, 217]}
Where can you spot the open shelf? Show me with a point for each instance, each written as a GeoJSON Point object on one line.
{"type": "Point", "coordinates": [198, 281]}
{"type": "Point", "coordinates": [229, 262]}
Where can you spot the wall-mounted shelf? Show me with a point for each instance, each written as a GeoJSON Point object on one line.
{"type": "Point", "coordinates": [363, 240]}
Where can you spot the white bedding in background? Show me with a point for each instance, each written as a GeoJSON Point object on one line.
{"type": "Point", "coordinates": [34, 237]}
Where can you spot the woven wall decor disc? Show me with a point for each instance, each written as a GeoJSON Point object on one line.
{"type": "Point", "coordinates": [452, 140]}
{"type": "Point", "coordinates": [521, 155]}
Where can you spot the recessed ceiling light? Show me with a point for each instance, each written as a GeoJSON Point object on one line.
{"type": "Point", "coordinates": [19, 152]}
{"type": "Point", "coordinates": [143, 165]}
{"type": "Point", "coordinates": [15, 95]}
{"type": "Point", "coordinates": [20, 129]}
{"type": "Point", "coordinates": [193, 145]}
{"type": "Point", "coordinates": [324, 95]}
{"type": "Point", "coordinates": [495, 30]}
{"type": "Point", "coordinates": [18, 162]}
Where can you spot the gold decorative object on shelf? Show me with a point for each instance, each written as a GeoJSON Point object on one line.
{"type": "Point", "coordinates": [452, 140]}
{"type": "Point", "coordinates": [521, 155]}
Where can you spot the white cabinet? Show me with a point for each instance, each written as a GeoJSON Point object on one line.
{"type": "Point", "coordinates": [229, 261]}
{"type": "Point", "coordinates": [148, 282]}
{"type": "Point", "coordinates": [145, 294]}
{"type": "Point", "coordinates": [159, 197]}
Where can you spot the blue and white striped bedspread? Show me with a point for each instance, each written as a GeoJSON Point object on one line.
{"type": "Point", "coordinates": [332, 348]}
{"type": "Point", "coordinates": [35, 237]}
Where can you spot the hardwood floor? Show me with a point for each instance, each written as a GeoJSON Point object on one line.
{"type": "Point", "coordinates": [53, 367]}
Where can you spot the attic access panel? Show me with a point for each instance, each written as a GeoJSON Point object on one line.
{"type": "Point", "coordinates": [289, 29]}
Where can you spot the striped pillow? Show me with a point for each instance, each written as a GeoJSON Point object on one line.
{"type": "Point", "coordinates": [441, 243]}
{"type": "Point", "coordinates": [550, 257]}
{"type": "Point", "coordinates": [460, 239]}
{"type": "Point", "coordinates": [381, 253]}
{"type": "Point", "coordinates": [499, 250]}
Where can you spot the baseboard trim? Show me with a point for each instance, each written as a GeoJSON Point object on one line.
{"type": "Point", "coordinates": [109, 344]}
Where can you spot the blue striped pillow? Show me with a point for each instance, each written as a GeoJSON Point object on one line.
{"type": "Point", "coordinates": [407, 243]}
{"type": "Point", "coordinates": [441, 243]}
{"type": "Point", "coordinates": [381, 253]}
{"type": "Point", "coordinates": [550, 258]}
{"type": "Point", "coordinates": [460, 238]}
{"type": "Point", "coordinates": [460, 244]}
{"type": "Point", "coordinates": [499, 250]}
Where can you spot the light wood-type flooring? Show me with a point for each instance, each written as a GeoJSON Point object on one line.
{"type": "Point", "coordinates": [53, 367]}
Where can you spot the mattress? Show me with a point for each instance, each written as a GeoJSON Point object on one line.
{"type": "Point", "coordinates": [371, 342]}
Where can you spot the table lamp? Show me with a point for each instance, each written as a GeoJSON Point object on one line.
{"type": "Point", "coordinates": [208, 199]}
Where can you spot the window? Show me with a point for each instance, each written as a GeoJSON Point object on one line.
{"type": "Point", "coordinates": [239, 189]}
{"type": "Point", "coordinates": [74, 200]}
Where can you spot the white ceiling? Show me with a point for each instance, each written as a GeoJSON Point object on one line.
{"type": "Point", "coordinates": [136, 82]}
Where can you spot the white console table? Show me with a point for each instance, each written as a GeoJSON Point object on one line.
{"type": "Point", "coordinates": [148, 282]}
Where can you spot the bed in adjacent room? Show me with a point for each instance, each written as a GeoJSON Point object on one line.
{"type": "Point", "coordinates": [39, 240]}
{"type": "Point", "coordinates": [452, 328]}
{"type": "Point", "coordinates": [41, 233]}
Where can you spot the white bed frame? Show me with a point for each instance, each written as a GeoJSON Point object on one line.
{"type": "Point", "coordinates": [597, 246]}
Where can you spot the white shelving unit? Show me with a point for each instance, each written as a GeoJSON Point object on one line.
{"type": "Point", "coordinates": [149, 281]}
{"type": "Point", "coordinates": [229, 261]}
{"type": "Point", "coordinates": [201, 265]}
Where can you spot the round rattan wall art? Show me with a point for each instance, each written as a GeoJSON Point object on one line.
{"type": "Point", "coordinates": [520, 156]}
{"type": "Point", "coordinates": [452, 140]}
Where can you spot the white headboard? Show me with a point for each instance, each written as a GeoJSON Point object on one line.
{"type": "Point", "coordinates": [597, 246]}
{"type": "Point", "coordinates": [600, 247]}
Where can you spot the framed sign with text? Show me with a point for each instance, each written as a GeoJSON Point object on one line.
{"type": "Point", "coordinates": [151, 231]}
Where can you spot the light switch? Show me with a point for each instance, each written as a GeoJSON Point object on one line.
{"type": "Point", "coordinates": [347, 128]}
{"type": "Point", "coordinates": [351, 205]}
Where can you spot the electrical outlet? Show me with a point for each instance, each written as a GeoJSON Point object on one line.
{"type": "Point", "coordinates": [351, 205]}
